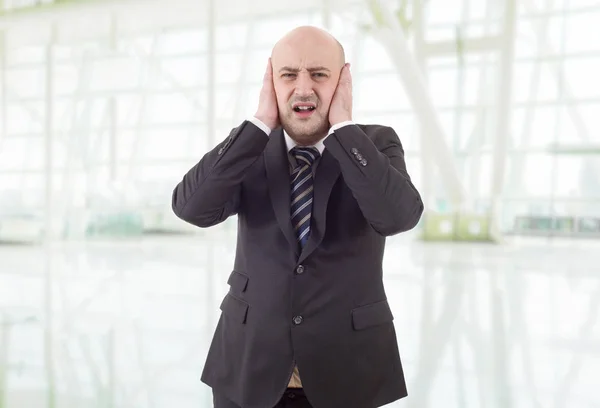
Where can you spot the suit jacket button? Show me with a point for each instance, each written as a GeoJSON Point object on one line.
{"type": "Point", "coordinates": [297, 320]}
{"type": "Point", "coordinates": [363, 162]}
{"type": "Point", "coordinates": [359, 157]}
{"type": "Point", "coordinates": [220, 151]}
{"type": "Point", "coordinates": [354, 151]}
{"type": "Point", "coordinates": [300, 269]}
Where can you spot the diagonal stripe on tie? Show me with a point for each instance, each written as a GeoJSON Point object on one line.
{"type": "Point", "coordinates": [302, 192]}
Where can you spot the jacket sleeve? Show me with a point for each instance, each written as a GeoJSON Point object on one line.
{"type": "Point", "coordinates": [210, 191]}
{"type": "Point", "coordinates": [374, 169]}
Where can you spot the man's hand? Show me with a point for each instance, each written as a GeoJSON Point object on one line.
{"type": "Point", "coordinates": [341, 104]}
{"type": "Point", "coordinates": [267, 112]}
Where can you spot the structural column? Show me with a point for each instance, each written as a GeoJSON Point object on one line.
{"type": "Point", "coordinates": [3, 87]}
{"type": "Point", "coordinates": [503, 123]}
{"type": "Point", "coordinates": [4, 327]}
{"type": "Point", "coordinates": [49, 219]}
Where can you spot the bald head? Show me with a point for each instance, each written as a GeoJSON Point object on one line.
{"type": "Point", "coordinates": [310, 37]}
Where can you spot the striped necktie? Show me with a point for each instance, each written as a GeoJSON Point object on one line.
{"type": "Point", "coordinates": [302, 192]}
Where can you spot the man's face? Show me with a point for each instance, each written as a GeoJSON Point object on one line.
{"type": "Point", "coordinates": [305, 77]}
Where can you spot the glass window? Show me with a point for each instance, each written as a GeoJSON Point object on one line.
{"type": "Point", "coordinates": [170, 108]}
{"type": "Point", "coordinates": [444, 11]}
{"type": "Point", "coordinates": [380, 93]}
{"type": "Point", "coordinates": [24, 54]}
{"type": "Point", "coordinates": [228, 67]}
{"type": "Point", "coordinates": [114, 73]}
{"type": "Point", "coordinates": [181, 41]}
{"type": "Point", "coordinates": [567, 176]}
{"type": "Point", "coordinates": [374, 57]}
{"type": "Point", "coordinates": [256, 64]}
{"type": "Point", "coordinates": [539, 36]}
{"type": "Point", "coordinates": [179, 72]}
{"type": "Point", "coordinates": [535, 126]}
{"type": "Point", "coordinates": [166, 143]}
{"type": "Point", "coordinates": [583, 31]}
{"type": "Point", "coordinates": [404, 124]}
{"type": "Point", "coordinates": [589, 114]}
{"type": "Point", "coordinates": [26, 82]}
{"type": "Point", "coordinates": [535, 81]}
{"type": "Point", "coordinates": [471, 132]}
{"type": "Point", "coordinates": [537, 175]}
{"type": "Point", "coordinates": [579, 74]}
{"type": "Point", "coordinates": [267, 31]}
{"type": "Point", "coordinates": [479, 167]}
{"type": "Point", "coordinates": [442, 85]}
{"type": "Point", "coordinates": [25, 117]}
{"type": "Point", "coordinates": [233, 35]}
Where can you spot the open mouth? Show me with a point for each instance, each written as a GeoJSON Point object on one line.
{"type": "Point", "coordinates": [304, 108]}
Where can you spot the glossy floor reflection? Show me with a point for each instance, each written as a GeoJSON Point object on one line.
{"type": "Point", "coordinates": [127, 323]}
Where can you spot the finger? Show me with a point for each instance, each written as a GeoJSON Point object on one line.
{"type": "Point", "coordinates": [344, 75]}
{"type": "Point", "coordinates": [268, 71]}
{"type": "Point", "coordinates": [347, 75]}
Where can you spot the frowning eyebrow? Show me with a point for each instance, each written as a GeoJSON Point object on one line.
{"type": "Point", "coordinates": [311, 69]}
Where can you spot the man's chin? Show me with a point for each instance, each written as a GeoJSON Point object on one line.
{"type": "Point", "coordinates": [306, 137]}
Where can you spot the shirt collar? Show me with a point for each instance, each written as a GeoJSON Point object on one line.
{"type": "Point", "coordinates": [290, 143]}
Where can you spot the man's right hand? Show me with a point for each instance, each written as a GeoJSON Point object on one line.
{"type": "Point", "coordinates": [267, 112]}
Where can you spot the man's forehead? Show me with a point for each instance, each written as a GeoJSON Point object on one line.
{"type": "Point", "coordinates": [305, 60]}
{"type": "Point", "coordinates": [305, 55]}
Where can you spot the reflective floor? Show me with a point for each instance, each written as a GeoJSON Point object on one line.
{"type": "Point", "coordinates": [126, 323]}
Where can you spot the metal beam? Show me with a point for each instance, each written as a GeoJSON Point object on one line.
{"type": "Point", "coordinates": [49, 223]}
{"type": "Point", "coordinates": [3, 86]}
{"type": "Point", "coordinates": [427, 167]}
{"type": "Point", "coordinates": [48, 136]}
{"type": "Point", "coordinates": [504, 116]}
{"type": "Point", "coordinates": [4, 360]}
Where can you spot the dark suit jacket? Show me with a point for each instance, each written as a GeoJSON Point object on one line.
{"type": "Point", "coordinates": [324, 309]}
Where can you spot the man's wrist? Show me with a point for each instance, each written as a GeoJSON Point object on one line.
{"type": "Point", "coordinates": [340, 125]}
{"type": "Point", "coordinates": [261, 125]}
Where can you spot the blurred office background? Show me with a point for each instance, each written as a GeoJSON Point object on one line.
{"type": "Point", "coordinates": [108, 301]}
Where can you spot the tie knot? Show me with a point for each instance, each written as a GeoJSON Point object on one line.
{"type": "Point", "coordinates": [305, 155]}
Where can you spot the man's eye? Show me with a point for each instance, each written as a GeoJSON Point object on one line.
{"type": "Point", "coordinates": [320, 74]}
{"type": "Point", "coordinates": [288, 75]}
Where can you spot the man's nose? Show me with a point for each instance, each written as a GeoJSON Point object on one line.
{"type": "Point", "coordinates": [304, 85]}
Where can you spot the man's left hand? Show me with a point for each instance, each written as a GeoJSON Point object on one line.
{"type": "Point", "coordinates": [341, 103]}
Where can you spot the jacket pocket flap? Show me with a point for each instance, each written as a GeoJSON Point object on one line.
{"type": "Point", "coordinates": [235, 308]}
{"type": "Point", "coordinates": [370, 315]}
{"type": "Point", "coordinates": [238, 281]}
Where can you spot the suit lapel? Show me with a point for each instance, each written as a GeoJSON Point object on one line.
{"type": "Point", "coordinates": [327, 173]}
{"type": "Point", "coordinates": [278, 175]}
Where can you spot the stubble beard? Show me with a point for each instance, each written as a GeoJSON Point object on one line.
{"type": "Point", "coordinates": [305, 132]}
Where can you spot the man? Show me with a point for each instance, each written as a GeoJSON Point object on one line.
{"type": "Point", "coordinates": [306, 322]}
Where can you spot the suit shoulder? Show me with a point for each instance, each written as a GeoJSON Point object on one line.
{"type": "Point", "coordinates": [373, 130]}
